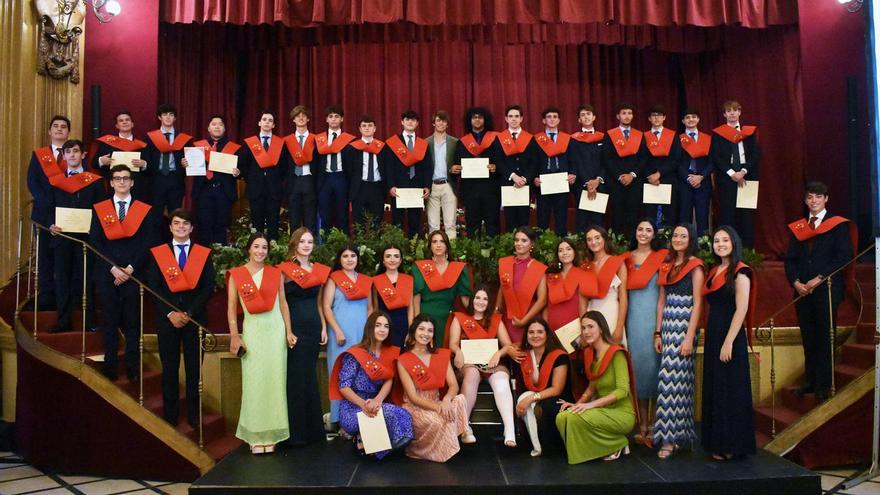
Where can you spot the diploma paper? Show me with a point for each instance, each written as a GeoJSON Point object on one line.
{"type": "Point", "coordinates": [410, 197]}
{"type": "Point", "coordinates": [554, 183]}
{"type": "Point", "coordinates": [599, 205]}
{"type": "Point", "coordinates": [195, 161]}
{"type": "Point", "coordinates": [73, 220]}
{"type": "Point", "coordinates": [222, 162]}
{"type": "Point", "coordinates": [125, 158]}
{"type": "Point", "coordinates": [374, 433]}
{"type": "Point", "coordinates": [514, 196]}
{"type": "Point", "coordinates": [747, 196]}
{"type": "Point", "coordinates": [657, 195]}
{"type": "Point", "coordinates": [568, 334]}
{"type": "Point", "coordinates": [474, 168]}
{"type": "Point", "coordinates": [478, 351]}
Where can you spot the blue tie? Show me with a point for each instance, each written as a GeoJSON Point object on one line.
{"type": "Point", "coordinates": [121, 210]}
{"type": "Point", "coordinates": [693, 164]}
{"type": "Point", "coordinates": [297, 170]}
{"type": "Point", "coordinates": [626, 133]}
{"type": "Point", "coordinates": [334, 160]}
{"type": "Point", "coordinates": [181, 258]}
{"type": "Point", "coordinates": [553, 163]}
{"type": "Point", "coordinates": [266, 143]}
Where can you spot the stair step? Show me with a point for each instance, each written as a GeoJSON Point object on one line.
{"type": "Point", "coordinates": [762, 439]}
{"type": "Point", "coordinates": [790, 400]}
{"type": "Point", "coordinates": [222, 446]}
{"type": "Point", "coordinates": [845, 373]}
{"type": "Point", "coordinates": [865, 333]}
{"type": "Point", "coordinates": [859, 355]}
{"type": "Point", "coordinates": [784, 418]}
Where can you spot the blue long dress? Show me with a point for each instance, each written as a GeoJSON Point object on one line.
{"type": "Point", "coordinates": [641, 322]}
{"type": "Point", "coordinates": [351, 315]}
{"type": "Point", "coordinates": [397, 419]}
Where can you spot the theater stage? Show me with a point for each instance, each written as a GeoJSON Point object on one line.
{"type": "Point", "coordinates": [488, 467]}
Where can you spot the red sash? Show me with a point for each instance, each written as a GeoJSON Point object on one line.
{"type": "Point", "coordinates": [696, 149]}
{"type": "Point", "coordinates": [429, 377]}
{"type": "Point", "coordinates": [544, 373]}
{"type": "Point", "coordinates": [383, 369]}
{"type": "Point", "coordinates": [660, 147]}
{"type": "Point", "coordinates": [50, 167]}
{"type": "Point", "coordinates": [802, 231]}
{"type": "Point", "coordinates": [340, 142]}
{"type": "Point", "coordinates": [512, 147]}
{"type": "Point", "coordinates": [470, 143]}
{"type": "Point", "coordinates": [74, 183]}
{"type": "Point", "coordinates": [517, 300]}
{"type": "Point", "coordinates": [256, 300]}
{"type": "Point", "coordinates": [638, 278]}
{"type": "Point", "coordinates": [113, 228]}
{"type": "Point", "coordinates": [181, 280]}
{"type": "Point", "coordinates": [625, 147]}
{"type": "Point", "coordinates": [605, 276]}
{"type": "Point", "coordinates": [420, 147]}
{"type": "Point", "coordinates": [562, 288]}
{"type": "Point", "coordinates": [124, 144]}
{"type": "Point", "coordinates": [603, 366]}
{"type": "Point", "coordinates": [735, 136]}
{"type": "Point", "coordinates": [304, 278]}
{"type": "Point", "coordinates": [434, 280]}
{"type": "Point", "coordinates": [394, 297]}
{"type": "Point", "coordinates": [229, 148]}
{"type": "Point", "coordinates": [588, 137]}
{"type": "Point", "coordinates": [162, 144]}
{"type": "Point", "coordinates": [550, 148]}
{"type": "Point", "coordinates": [301, 156]}
{"type": "Point", "coordinates": [265, 159]}
{"type": "Point", "coordinates": [352, 290]}
{"type": "Point", "coordinates": [714, 283]}
{"type": "Point", "coordinates": [373, 147]}
{"type": "Point", "coordinates": [666, 269]}
{"type": "Point", "coordinates": [473, 330]}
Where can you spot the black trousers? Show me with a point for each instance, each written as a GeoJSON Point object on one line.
{"type": "Point", "coordinates": [167, 192]}
{"type": "Point", "coordinates": [482, 207]}
{"type": "Point", "coordinates": [120, 308]}
{"type": "Point", "coordinates": [304, 411]}
{"type": "Point", "coordinates": [515, 216]}
{"type": "Point", "coordinates": [333, 201]}
{"type": "Point", "coordinates": [68, 257]}
{"type": "Point", "coordinates": [170, 341]}
{"type": "Point", "coordinates": [555, 205]}
{"type": "Point", "coordinates": [213, 208]}
{"type": "Point", "coordinates": [813, 318]}
{"type": "Point", "coordinates": [728, 214]}
{"type": "Point", "coordinates": [625, 202]}
{"type": "Point", "coordinates": [694, 203]}
{"type": "Point", "coordinates": [264, 215]}
{"type": "Point", "coordinates": [370, 199]}
{"type": "Point", "coordinates": [302, 204]}
{"type": "Point", "coordinates": [413, 216]}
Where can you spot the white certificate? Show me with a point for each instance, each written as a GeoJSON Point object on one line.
{"type": "Point", "coordinates": [474, 168]}
{"type": "Point", "coordinates": [222, 162]}
{"type": "Point", "coordinates": [569, 334]}
{"type": "Point", "coordinates": [657, 195]}
{"type": "Point", "coordinates": [125, 158]}
{"type": "Point", "coordinates": [478, 351]}
{"type": "Point", "coordinates": [73, 220]}
{"type": "Point", "coordinates": [514, 196]}
{"type": "Point", "coordinates": [554, 183]}
{"type": "Point", "coordinates": [195, 161]}
{"type": "Point", "coordinates": [374, 433]}
{"type": "Point", "coordinates": [599, 205]}
{"type": "Point", "coordinates": [747, 195]}
{"type": "Point", "coordinates": [410, 197]}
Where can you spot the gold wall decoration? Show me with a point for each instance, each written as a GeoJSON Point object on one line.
{"type": "Point", "coordinates": [61, 24]}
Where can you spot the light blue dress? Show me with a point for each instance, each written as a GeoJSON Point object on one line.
{"type": "Point", "coordinates": [351, 315]}
{"type": "Point", "coordinates": [641, 323]}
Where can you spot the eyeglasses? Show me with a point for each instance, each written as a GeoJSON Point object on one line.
{"type": "Point", "coordinates": [121, 179]}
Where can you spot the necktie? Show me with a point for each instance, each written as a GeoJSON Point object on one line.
{"type": "Point", "coordinates": [515, 134]}
{"type": "Point", "coordinates": [59, 156]}
{"type": "Point", "coordinates": [626, 134]}
{"type": "Point", "coordinates": [553, 162]}
{"type": "Point", "coordinates": [334, 164]}
{"type": "Point", "coordinates": [181, 258]}
{"type": "Point", "coordinates": [166, 157]}
{"type": "Point", "coordinates": [71, 173]}
{"type": "Point", "coordinates": [209, 174]}
{"type": "Point", "coordinates": [813, 221]}
{"type": "Point", "coordinates": [121, 210]}
{"type": "Point", "coordinates": [693, 164]}
{"type": "Point", "coordinates": [297, 170]}
{"type": "Point", "coordinates": [657, 133]}
{"type": "Point", "coordinates": [553, 136]}
{"type": "Point", "coordinates": [266, 143]}
{"type": "Point", "coordinates": [409, 146]}
{"type": "Point", "coordinates": [371, 176]}
{"type": "Point", "coordinates": [693, 135]}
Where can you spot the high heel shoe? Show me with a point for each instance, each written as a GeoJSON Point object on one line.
{"type": "Point", "coordinates": [510, 443]}
{"type": "Point", "coordinates": [258, 449]}
{"type": "Point", "coordinates": [269, 449]}
{"type": "Point", "coordinates": [616, 455]}
{"type": "Point", "coordinates": [645, 438]}
{"type": "Point", "coordinates": [666, 451]}
{"type": "Point", "coordinates": [535, 453]}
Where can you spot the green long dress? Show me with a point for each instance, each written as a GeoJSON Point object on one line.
{"type": "Point", "coordinates": [602, 431]}
{"type": "Point", "coordinates": [263, 418]}
{"type": "Point", "coordinates": [438, 304]}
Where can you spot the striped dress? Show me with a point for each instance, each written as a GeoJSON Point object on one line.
{"type": "Point", "coordinates": [674, 419]}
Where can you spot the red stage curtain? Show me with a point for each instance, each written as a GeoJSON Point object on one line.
{"type": "Point", "coordinates": [305, 13]}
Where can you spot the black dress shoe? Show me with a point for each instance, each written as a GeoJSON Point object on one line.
{"type": "Point", "coordinates": [110, 375]}
{"type": "Point", "coordinates": [804, 390]}
{"type": "Point", "coordinates": [133, 376]}
{"type": "Point", "coordinates": [822, 395]}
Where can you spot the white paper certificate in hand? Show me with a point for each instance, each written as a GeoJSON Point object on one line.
{"type": "Point", "coordinates": [195, 161]}
{"type": "Point", "coordinates": [514, 196]}
{"type": "Point", "coordinates": [554, 183]}
{"type": "Point", "coordinates": [599, 205]}
{"type": "Point", "coordinates": [73, 220]}
{"type": "Point", "coordinates": [222, 162]}
{"type": "Point", "coordinates": [374, 433]}
{"type": "Point", "coordinates": [478, 351]}
{"type": "Point", "coordinates": [747, 195]}
{"type": "Point", "coordinates": [474, 168]}
{"type": "Point", "coordinates": [657, 195]}
{"type": "Point", "coordinates": [125, 158]}
{"type": "Point", "coordinates": [568, 334]}
{"type": "Point", "coordinates": [410, 197]}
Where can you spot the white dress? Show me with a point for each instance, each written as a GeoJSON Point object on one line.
{"type": "Point", "coordinates": [609, 306]}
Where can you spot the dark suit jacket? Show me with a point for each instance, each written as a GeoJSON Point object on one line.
{"type": "Point", "coordinates": [615, 166]}
{"type": "Point", "coordinates": [193, 302]}
{"type": "Point", "coordinates": [38, 185]}
{"type": "Point", "coordinates": [820, 255]}
{"type": "Point", "coordinates": [451, 143]}
{"type": "Point", "coordinates": [666, 165]}
{"type": "Point", "coordinates": [84, 198]}
{"type": "Point", "coordinates": [721, 151]}
{"type": "Point", "coordinates": [133, 250]}
{"type": "Point", "coordinates": [153, 157]}
{"type": "Point", "coordinates": [472, 187]}
{"type": "Point", "coordinates": [704, 168]}
{"type": "Point", "coordinates": [226, 181]}
{"type": "Point", "coordinates": [398, 173]}
{"type": "Point", "coordinates": [542, 163]}
{"type": "Point", "coordinates": [263, 181]}
{"type": "Point", "coordinates": [353, 160]}
{"type": "Point", "coordinates": [586, 162]}
{"type": "Point", "coordinates": [523, 164]}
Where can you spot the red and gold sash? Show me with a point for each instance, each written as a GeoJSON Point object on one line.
{"type": "Point", "coordinates": [74, 183]}
{"type": "Point", "coordinates": [713, 283]}
{"type": "Point", "coordinates": [660, 147]}
{"type": "Point", "coordinates": [514, 147]}
{"type": "Point", "coordinates": [588, 137]}
{"type": "Point", "coordinates": [352, 290]}
{"type": "Point", "coordinates": [394, 297]}
{"type": "Point", "coordinates": [336, 147]}
{"type": "Point", "coordinates": [638, 278]}
{"type": "Point", "coordinates": [544, 373]}
{"type": "Point", "coordinates": [51, 168]}
{"type": "Point", "coordinates": [603, 366]}
{"type": "Point", "coordinates": [228, 148]}
{"type": "Point", "coordinates": [666, 269]}
{"type": "Point", "coordinates": [625, 147]}
{"type": "Point", "coordinates": [373, 147]}
{"type": "Point", "coordinates": [735, 136]}
{"type": "Point", "coordinates": [802, 231]}
{"type": "Point", "coordinates": [429, 377]}
{"type": "Point", "coordinates": [605, 276]}
{"type": "Point", "coordinates": [113, 228]}
{"type": "Point", "coordinates": [304, 278]}
{"type": "Point", "coordinates": [518, 300]}
{"type": "Point", "coordinates": [256, 300]}
{"type": "Point", "coordinates": [383, 369]}
{"type": "Point", "coordinates": [551, 148]}
{"type": "Point", "coordinates": [158, 139]}
{"type": "Point", "coordinates": [407, 157]}
{"type": "Point", "coordinates": [696, 149]}
{"type": "Point", "coordinates": [301, 156]}
{"type": "Point", "coordinates": [181, 280]}
{"type": "Point", "coordinates": [434, 280]}
{"type": "Point", "coordinates": [472, 328]}
{"type": "Point", "coordinates": [470, 143]}
{"type": "Point", "coordinates": [123, 144]}
{"type": "Point", "coordinates": [265, 159]}
{"type": "Point", "coordinates": [561, 288]}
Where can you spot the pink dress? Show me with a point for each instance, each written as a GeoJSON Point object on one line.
{"type": "Point", "coordinates": [436, 438]}
{"type": "Point", "coordinates": [519, 271]}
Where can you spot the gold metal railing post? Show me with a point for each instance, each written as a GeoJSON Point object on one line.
{"type": "Point", "coordinates": [18, 268]}
{"type": "Point", "coordinates": [773, 378]}
{"type": "Point", "coordinates": [36, 283]}
{"type": "Point", "coordinates": [141, 347]}
{"type": "Point", "coordinates": [85, 295]}
{"type": "Point", "coordinates": [832, 332]}
{"type": "Point", "coordinates": [201, 389]}
{"type": "Point", "coordinates": [31, 256]}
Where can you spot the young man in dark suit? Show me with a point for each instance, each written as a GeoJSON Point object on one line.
{"type": "Point", "coordinates": [183, 274]}
{"type": "Point", "coordinates": [586, 157]}
{"type": "Point", "coordinates": [694, 172]}
{"type": "Point", "coordinates": [819, 244]}
{"type": "Point", "coordinates": [302, 195]}
{"type": "Point", "coordinates": [624, 155]}
{"type": "Point", "coordinates": [481, 197]}
{"type": "Point", "coordinates": [215, 192]}
{"type": "Point", "coordinates": [552, 156]}
{"type": "Point", "coordinates": [263, 162]}
{"type": "Point", "coordinates": [409, 166]}
{"type": "Point", "coordinates": [101, 151]}
{"type": "Point", "coordinates": [332, 178]}
{"type": "Point", "coordinates": [123, 229]}
{"type": "Point", "coordinates": [661, 166]}
{"type": "Point", "coordinates": [165, 162]}
{"type": "Point", "coordinates": [366, 161]}
{"type": "Point", "coordinates": [516, 157]}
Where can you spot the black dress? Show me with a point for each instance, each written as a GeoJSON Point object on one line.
{"type": "Point", "coordinates": [304, 411]}
{"type": "Point", "coordinates": [399, 322]}
{"type": "Point", "coordinates": [727, 390]}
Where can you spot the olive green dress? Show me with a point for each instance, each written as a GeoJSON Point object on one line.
{"type": "Point", "coordinates": [602, 431]}
{"type": "Point", "coordinates": [438, 304]}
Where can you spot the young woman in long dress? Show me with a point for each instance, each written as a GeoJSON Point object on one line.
{"type": "Point", "coordinates": [438, 281]}
{"type": "Point", "coordinates": [523, 291]}
{"type": "Point", "coordinates": [610, 272]}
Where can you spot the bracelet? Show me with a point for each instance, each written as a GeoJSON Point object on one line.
{"type": "Point", "coordinates": [537, 396]}
{"type": "Point", "coordinates": [656, 334]}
